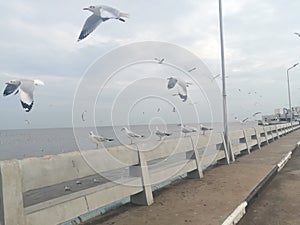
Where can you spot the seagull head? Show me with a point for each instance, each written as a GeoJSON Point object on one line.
{"type": "Point", "coordinates": [12, 82]}
{"type": "Point", "coordinates": [38, 82]}
{"type": "Point", "coordinates": [123, 128]}
{"type": "Point", "coordinates": [92, 8]}
{"type": "Point", "coordinates": [91, 133]}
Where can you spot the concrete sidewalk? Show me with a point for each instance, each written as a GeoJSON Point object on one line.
{"type": "Point", "coordinates": [210, 200]}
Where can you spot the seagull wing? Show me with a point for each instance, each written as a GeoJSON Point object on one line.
{"type": "Point", "coordinates": [172, 82]}
{"type": "Point", "coordinates": [244, 120]}
{"type": "Point", "coordinates": [26, 94]}
{"type": "Point", "coordinates": [182, 91]}
{"type": "Point", "coordinates": [90, 25]}
{"type": "Point", "coordinates": [11, 88]}
{"type": "Point", "coordinates": [113, 11]}
{"type": "Point", "coordinates": [82, 115]}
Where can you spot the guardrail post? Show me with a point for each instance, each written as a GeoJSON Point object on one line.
{"type": "Point", "coordinates": [145, 197]}
{"type": "Point", "coordinates": [277, 132]}
{"type": "Point", "coordinates": [198, 173]}
{"type": "Point", "coordinates": [257, 138]}
{"type": "Point", "coordinates": [245, 140]}
{"type": "Point", "coordinates": [11, 196]}
{"type": "Point", "coordinates": [272, 134]}
{"type": "Point", "coordinates": [266, 135]}
{"type": "Point", "coordinates": [224, 147]}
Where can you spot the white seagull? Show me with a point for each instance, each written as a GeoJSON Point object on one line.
{"type": "Point", "coordinates": [162, 134]}
{"type": "Point", "coordinates": [181, 87]}
{"type": "Point", "coordinates": [185, 129]}
{"type": "Point", "coordinates": [25, 88]}
{"type": "Point", "coordinates": [96, 18]}
{"type": "Point", "coordinates": [241, 121]}
{"type": "Point", "coordinates": [97, 139]}
{"type": "Point", "coordinates": [204, 128]}
{"type": "Point", "coordinates": [254, 114]}
{"type": "Point", "coordinates": [160, 61]}
{"type": "Point", "coordinates": [131, 134]}
{"type": "Point", "coordinates": [298, 34]}
{"type": "Point", "coordinates": [82, 115]}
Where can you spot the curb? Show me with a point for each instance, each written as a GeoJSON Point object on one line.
{"type": "Point", "coordinates": [240, 211]}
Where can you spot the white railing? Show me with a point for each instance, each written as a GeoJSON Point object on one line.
{"type": "Point", "coordinates": [23, 182]}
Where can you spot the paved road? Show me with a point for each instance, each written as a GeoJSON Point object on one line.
{"type": "Point", "coordinates": [279, 203]}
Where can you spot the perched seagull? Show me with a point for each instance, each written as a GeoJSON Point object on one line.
{"type": "Point", "coordinates": [161, 134]}
{"type": "Point", "coordinates": [95, 19]}
{"type": "Point", "coordinates": [181, 87]}
{"type": "Point", "coordinates": [98, 139]}
{"type": "Point", "coordinates": [204, 128]}
{"type": "Point", "coordinates": [160, 61]}
{"type": "Point", "coordinates": [25, 88]}
{"type": "Point", "coordinates": [254, 114]}
{"type": "Point", "coordinates": [131, 134]}
{"type": "Point", "coordinates": [298, 34]}
{"type": "Point", "coordinates": [185, 129]}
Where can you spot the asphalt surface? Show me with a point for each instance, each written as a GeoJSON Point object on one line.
{"type": "Point", "coordinates": [279, 202]}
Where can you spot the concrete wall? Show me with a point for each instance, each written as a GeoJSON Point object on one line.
{"type": "Point", "coordinates": [20, 176]}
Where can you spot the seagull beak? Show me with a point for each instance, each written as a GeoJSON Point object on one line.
{"type": "Point", "coordinates": [86, 9]}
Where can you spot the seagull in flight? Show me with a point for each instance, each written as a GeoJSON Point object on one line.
{"type": "Point", "coordinates": [97, 139]}
{"type": "Point", "coordinates": [131, 134]}
{"type": "Point", "coordinates": [160, 61]}
{"type": "Point", "coordinates": [204, 128]}
{"type": "Point", "coordinates": [96, 18]}
{"type": "Point", "coordinates": [254, 114]}
{"type": "Point", "coordinates": [82, 115]}
{"type": "Point", "coordinates": [181, 87]}
{"type": "Point", "coordinates": [192, 69]}
{"type": "Point", "coordinates": [298, 34]}
{"type": "Point", "coordinates": [25, 89]}
{"type": "Point", "coordinates": [162, 134]}
{"type": "Point", "coordinates": [241, 121]}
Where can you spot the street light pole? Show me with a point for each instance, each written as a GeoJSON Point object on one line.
{"type": "Point", "coordinates": [289, 91]}
{"type": "Point", "coordinates": [223, 83]}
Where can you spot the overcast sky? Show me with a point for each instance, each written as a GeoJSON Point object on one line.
{"type": "Point", "coordinates": [39, 40]}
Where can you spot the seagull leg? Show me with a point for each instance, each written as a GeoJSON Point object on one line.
{"type": "Point", "coordinates": [131, 141]}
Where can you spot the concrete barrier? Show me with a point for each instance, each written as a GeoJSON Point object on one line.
{"type": "Point", "coordinates": [23, 182]}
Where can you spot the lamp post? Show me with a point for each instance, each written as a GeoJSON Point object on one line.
{"type": "Point", "coordinates": [223, 83]}
{"type": "Point", "coordinates": [289, 91]}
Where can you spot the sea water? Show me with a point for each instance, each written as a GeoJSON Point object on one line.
{"type": "Point", "coordinates": [18, 144]}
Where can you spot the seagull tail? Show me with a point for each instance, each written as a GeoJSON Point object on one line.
{"type": "Point", "coordinates": [110, 139]}
{"type": "Point", "coordinates": [126, 15]}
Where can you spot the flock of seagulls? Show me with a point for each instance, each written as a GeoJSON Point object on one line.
{"type": "Point", "coordinates": [98, 139]}
{"type": "Point", "coordinates": [100, 14]}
